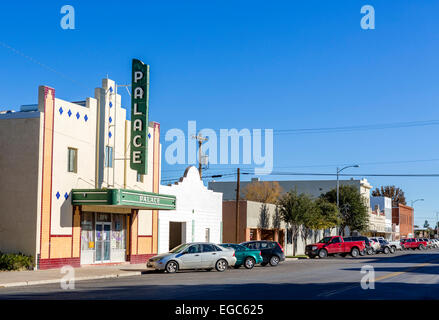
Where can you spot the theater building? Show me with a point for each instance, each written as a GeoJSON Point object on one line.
{"type": "Point", "coordinates": [68, 195]}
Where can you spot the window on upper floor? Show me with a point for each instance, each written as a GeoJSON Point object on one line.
{"type": "Point", "coordinates": [72, 160]}
{"type": "Point", "coordinates": [109, 157]}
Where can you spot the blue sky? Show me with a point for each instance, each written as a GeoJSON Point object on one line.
{"type": "Point", "coordinates": [252, 64]}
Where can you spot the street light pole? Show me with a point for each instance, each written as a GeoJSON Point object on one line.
{"type": "Point", "coordinates": [413, 215]}
{"type": "Point", "coordinates": [338, 183]}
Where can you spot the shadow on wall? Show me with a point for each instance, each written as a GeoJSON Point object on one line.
{"type": "Point", "coordinates": [66, 212]}
{"type": "Point", "coordinates": [264, 217]}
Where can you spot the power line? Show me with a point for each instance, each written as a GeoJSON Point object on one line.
{"type": "Point", "coordinates": [339, 129]}
{"type": "Point", "coordinates": [274, 173]}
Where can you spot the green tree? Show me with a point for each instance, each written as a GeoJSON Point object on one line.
{"type": "Point", "coordinates": [293, 209]}
{"type": "Point", "coordinates": [392, 192]}
{"type": "Point", "coordinates": [353, 209]}
{"type": "Point", "coordinates": [311, 217]}
{"type": "Point", "coordinates": [329, 216]}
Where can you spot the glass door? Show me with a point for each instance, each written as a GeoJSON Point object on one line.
{"type": "Point", "coordinates": [103, 241]}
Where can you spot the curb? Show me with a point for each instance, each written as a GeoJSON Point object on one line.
{"type": "Point", "coordinates": [51, 281]}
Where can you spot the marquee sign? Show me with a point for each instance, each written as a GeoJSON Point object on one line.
{"type": "Point", "coordinates": [139, 117]}
{"type": "Point", "coordinates": [123, 198]}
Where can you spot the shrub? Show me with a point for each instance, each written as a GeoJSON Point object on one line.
{"type": "Point", "coordinates": [15, 261]}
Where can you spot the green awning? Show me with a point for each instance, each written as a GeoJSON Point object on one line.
{"type": "Point", "coordinates": [123, 198]}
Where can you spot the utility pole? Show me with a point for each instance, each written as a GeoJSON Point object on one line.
{"type": "Point", "coordinates": [200, 140]}
{"type": "Point", "coordinates": [237, 205]}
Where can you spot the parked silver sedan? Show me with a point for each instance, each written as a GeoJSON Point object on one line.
{"type": "Point", "coordinates": [199, 255]}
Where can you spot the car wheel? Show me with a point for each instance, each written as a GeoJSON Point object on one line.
{"type": "Point", "coordinates": [421, 247]}
{"type": "Point", "coordinates": [249, 263]}
{"type": "Point", "coordinates": [392, 249]}
{"type": "Point", "coordinates": [355, 252]}
{"type": "Point", "coordinates": [362, 252]}
{"type": "Point", "coordinates": [221, 265]}
{"type": "Point", "coordinates": [274, 261]}
{"type": "Point", "coordinates": [323, 253]}
{"type": "Point", "coordinates": [171, 267]}
{"type": "Point", "coordinates": [386, 250]}
{"type": "Point", "coordinates": [370, 251]}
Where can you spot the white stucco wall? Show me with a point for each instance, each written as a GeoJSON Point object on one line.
{"type": "Point", "coordinates": [197, 206]}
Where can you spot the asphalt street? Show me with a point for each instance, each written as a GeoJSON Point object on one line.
{"type": "Point", "coordinates": [403, 275]}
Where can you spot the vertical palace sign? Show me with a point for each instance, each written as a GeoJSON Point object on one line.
{"type": "Point", "coordinates": [139, 117]}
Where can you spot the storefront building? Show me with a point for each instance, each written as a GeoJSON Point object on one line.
{"type": "Point", "coordinates": [197, 216]}
{"type": "Point", "coordinates": [256, 221]}
{"type": "Point", "coordinates": [68, 193]}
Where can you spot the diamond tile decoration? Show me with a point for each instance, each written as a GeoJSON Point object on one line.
{"type": "Point", "coordinates": [85, 118]}
{"type": "Point", "coordinates": [69, 113]}
{"type": "Point", "coordinates": [77, 115]}
{"type": "Point", "coordinates": [61, 110]}
{"type": "Point", "coordinates": [149, 135]}
{"type": "Point", "coordinates": [57, 195]}
{"type": "Point", "coordinates": [111, 104]}
{"type": "Point", "coordinates": [109, 134]}
{"type": "Point", "coordinates": [66, 195]}
{"type": "Point", "coordinates": [110, 120]}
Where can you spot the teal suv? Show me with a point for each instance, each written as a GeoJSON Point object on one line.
{"type": "Point", "coordinates": [244, 256]}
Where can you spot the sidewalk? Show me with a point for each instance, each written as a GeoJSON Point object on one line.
{"type": "Point", "coordinates": [29, 278]}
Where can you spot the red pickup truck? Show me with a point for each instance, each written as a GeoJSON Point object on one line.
{"type": "Point", "coordinates": [413, 243]}
{"type": "Point", "coordinates": [334, 245]}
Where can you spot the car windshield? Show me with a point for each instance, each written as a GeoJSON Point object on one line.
{"type": "Point", "coordinates": [179, 248]}
{"type": "Point", "coordinates": [325, 240]}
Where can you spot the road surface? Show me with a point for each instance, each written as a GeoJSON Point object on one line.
{"type": "Point", "coordinates": [403, 275]}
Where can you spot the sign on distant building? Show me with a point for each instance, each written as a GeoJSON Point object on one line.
{"type": "Point", "coordinates": [139, 117]}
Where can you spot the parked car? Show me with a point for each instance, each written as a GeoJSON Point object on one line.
{"type": "Point", "coordinates": [435, 243]}
{"type": "Point", "coordinates": [244, 256]}
{"type": "Point", "coordinates": [396, 245]}
{"type": "Point", "coordinates": [402, 241]}
{"type": "Point", "coordinates": [375, 245]}
{"type": "Point", "coordinates": [429, 243]}
{"type": "Point", "coordinates": [368, 249]}
{"type": "Point", "coordinates": [334, 245]}
{"type": "Point", "coordinates": [199, 255]}
{"type": "Point", "coordinates": [413, 243]}
{"type": "Point", "coordinates": [271, 251]}
{"type": "Point", "coordinates": [385, 247]}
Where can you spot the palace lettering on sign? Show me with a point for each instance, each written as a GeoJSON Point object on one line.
{"type": "Point", "coordinates": [139, 117]}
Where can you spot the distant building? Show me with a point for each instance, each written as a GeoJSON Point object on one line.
{"type": "Point", "coordinates": [312, 187]}
{"type": "Point", "coordinates": [403, 216]}
{"type": "Point", "coordinates": [384, 205]}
